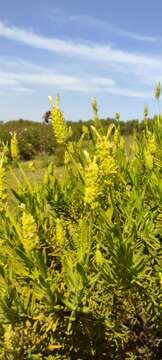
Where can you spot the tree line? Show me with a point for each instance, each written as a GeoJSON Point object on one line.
{"type": "Point", "coordinates": [36, 138]}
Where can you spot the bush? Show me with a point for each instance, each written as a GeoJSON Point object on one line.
{"type": "Point", "coordinates": [80, 260]}
{"type": "Point", "coordinates": [37, 138]}
{"type": "Point", "coordinates": [34, 138]}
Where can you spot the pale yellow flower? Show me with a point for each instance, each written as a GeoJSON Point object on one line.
{"type": "Point", "coordinates": [60, 234]}
{"type": "Point", "coordinates": [9, 338]}
{"type": "Point", "coordinates": [61, 130]}
{"type": "Point", "coordinates": [14, 147]}
{"type": "Point", "coordinates": [148, 160]}
{"type": "Point", "coordinates": [105, 160]}
{"type": "Point", "coordinates": [91, 184]}
{"type": "Point", "coordinates": [158, 90]}
{"type": "Point", "coordinates": [98, 256]}
{"type": "Point", "coordinates": [30, 237]}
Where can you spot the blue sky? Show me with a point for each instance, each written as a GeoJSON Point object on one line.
{"type": "Point", "coordinates": [109, 49]}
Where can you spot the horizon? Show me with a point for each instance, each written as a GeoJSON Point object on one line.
{"type": "Point", "coordinates": [81, 51]}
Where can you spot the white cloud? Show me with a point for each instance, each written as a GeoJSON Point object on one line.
{"type": "Point", "coordinates": [104, 54]}
{"type": "Point", "coordinates": [130, 93]}
{"type": "Point", "coordinates": [92, 21]}
{"type": "Point", "coordinates": [19, 81]}
{"type": "Point", "coordinates": [48, 78]}
{"type": "Point", "coordinates": [22, 76]}
{"type": "Point", "coordinates": [7, 80]}
{"type": "Point", "coordinates": [22, 89]}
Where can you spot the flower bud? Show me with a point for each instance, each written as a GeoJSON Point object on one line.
{"type": "Point", "coordinates": [145, 111]}
{"type": "Point", "coordinates": [117, 116]}
{"type": "Point", "coordinates": [158, 91]}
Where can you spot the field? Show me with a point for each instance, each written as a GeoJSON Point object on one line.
{"type": "Point", "coordinates": [80, 254]}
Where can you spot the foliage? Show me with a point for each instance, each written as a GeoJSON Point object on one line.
{"type": "Point", "coordinates": [80, 259]}
{"type": "Point", "coordinates": [37, 138]}
{"type": "Point", "coordinates": [33, 138]}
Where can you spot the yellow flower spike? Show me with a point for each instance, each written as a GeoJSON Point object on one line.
{"type": "Point", "coordinates": [95, 110]}
{"type": "Point", "coordinates": [60, 234]}
{"type": "Point", "coordinates": [30, 237]}
{"type": "Point", "coordinates": [106, 162]}
{"type": "Point", "coordinates": [4, 152]}
{"type": "Point", "coordinates": [95, 106]}
{"type": "Point", "coordinates": [9, 338]}
{"type": "Point", "coordinates": [91, 184]}
{"type": "Point", "coordinates": [102, 149]}
{"type": "Point", "coordinates": [14, 147]}
{"type": "Point", "coordinates": [60, 128]}
{"type": "Point", "coordinates": [98, 256]}
{"type": "Point", "coordinates": [158, 90]}
{"type": "Point", "coordinates": [148, 160]}
{"type": "Point", "coordinates": [116, 136]}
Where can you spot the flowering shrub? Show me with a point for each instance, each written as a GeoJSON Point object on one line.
{"type": "Point", "coordinates": [80, 260]}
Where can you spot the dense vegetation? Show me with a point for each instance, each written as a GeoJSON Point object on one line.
{"type": "Point", "coordinates": [37, 138]}
{"type": "Point", "coordinates": [80, 258]}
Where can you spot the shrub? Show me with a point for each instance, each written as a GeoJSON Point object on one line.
{"type": "Point", "coordinates": [80, 260]}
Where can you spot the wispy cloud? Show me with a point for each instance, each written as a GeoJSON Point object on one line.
{"type": "Point", "coordinates": [130, 93]}
{"type": "Point", "coordinates": [19, 81]}
{"type": "Point", "coordinates": [60, 81]}
{"type": "Point", "coordinates": [19, 75]}
{"type": "Point", "coordinates": [22, 89]}
{"type": "Point", "coordinates": [95, 52]}
{"type": "Point", "coordinates": [106, 26]}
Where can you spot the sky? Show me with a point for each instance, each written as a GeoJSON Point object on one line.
{"type": "Point", "coordinates": [79, 49]}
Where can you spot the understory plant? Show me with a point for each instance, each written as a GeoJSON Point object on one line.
{"type": "Point", "coordinates": [81, 257]}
